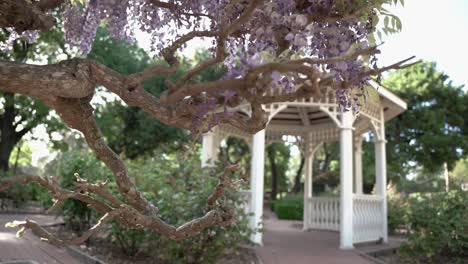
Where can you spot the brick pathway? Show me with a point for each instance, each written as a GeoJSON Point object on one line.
{"type": "Point", "coordinates": [30, 247]}
{"type": "Point", "coordinates": [286, 243]}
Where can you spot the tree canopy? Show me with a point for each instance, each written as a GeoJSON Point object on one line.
{"type": "Point", "coordinates": [272, 51]}
{"type": "Point", "coordinates": [20, 114]}
{"type": "Point", "coordinates": [130, 130]}
{"type": "Point", "coordinates": [434, 129]}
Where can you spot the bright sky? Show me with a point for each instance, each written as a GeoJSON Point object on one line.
{"type": "Point", "coordinates": [433, 30]}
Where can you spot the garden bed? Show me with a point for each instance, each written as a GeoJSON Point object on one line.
{"type": "Point", "coordinates": [395, 258]}
{"type": "Point", "coordinates": [100, 248]}
{"type": "Point", "coordinates": [390, 254]}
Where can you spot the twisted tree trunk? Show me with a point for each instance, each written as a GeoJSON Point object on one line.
{"type": "Point", "coordinates": [274, 173]}
{"type": "Point", "coordinates": [9, 137]}
{"type": "Point", "coordinates": [297, 179]}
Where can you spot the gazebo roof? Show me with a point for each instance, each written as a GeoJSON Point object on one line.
{"type": "Point", "coordinates": [320, 116]}
{"type": "Point", "coordinates": [312, 114]}
{"type": "Point", "coordinates": [393, 105]}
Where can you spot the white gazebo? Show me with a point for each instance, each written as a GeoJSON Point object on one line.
{"type": "Point", "coordinates": [358, 217]}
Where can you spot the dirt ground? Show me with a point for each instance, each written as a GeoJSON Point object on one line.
{"type": "Point", "coordinates": [100, 248]}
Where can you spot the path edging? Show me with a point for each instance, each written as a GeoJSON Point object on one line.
{"type": "Point", "coordinates": [74, 251]}
{"type": "Point", "coordinates": [372, 255]}
{"type": "Point", "coordinates": [82, 256]}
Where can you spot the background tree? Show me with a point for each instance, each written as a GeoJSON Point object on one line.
{"type": "Point", "coordinates": [326, 166]}
{"type": "Point", "coordinates": [277, 163]}
{"type": "Point", "coordinates": [130, 130]}
{"type": "Point", "coordinates": [459, 175]}
{"type": "Point", "coordinates": [298, 185]}
{"type": "Point", "coordinates": [20, 114]}
{"type": "Point", "coordinates": [434, 129]}
{"type": "Point", "coordinates": [236, 151]}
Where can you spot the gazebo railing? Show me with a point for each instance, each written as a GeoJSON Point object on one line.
{"type": "Point", "coordinates": [367, 218]}
{"type": "Point", "coordinates": [324, 214]}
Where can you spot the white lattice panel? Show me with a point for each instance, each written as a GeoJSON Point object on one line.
{"type": "Point", "coordinates": [324, 213]}
{"type": "Point", "coordinates": [367, 218]}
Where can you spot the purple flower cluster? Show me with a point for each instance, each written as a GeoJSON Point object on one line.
{"type": "Point", "coordinates": [29, 36]}
{"type": "Point", "coordinates": [311, 39]}
{"type": "Point", "coordinates": [278, 30]}
{"type": "Point", "coordinates": [81, 25]}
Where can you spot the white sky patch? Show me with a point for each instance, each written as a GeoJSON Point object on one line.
{"type": "Point", "coordinates": [39, 146]}
{"type": "Point", "coordinates": [144, 41]}
{"type": "Point", "coordinates": [433, 30]}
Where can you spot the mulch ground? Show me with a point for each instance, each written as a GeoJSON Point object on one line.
{"type": "Point", "coordinates": [100, 248]}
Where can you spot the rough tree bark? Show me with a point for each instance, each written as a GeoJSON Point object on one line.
{"type": "Point", "coordinates": [274, 172]}
{"type": "Point", "coordinates": [297, 179]}
{"type": "Point", "coordinates": [68, 87]}
{"type": "Point", "coordinates": [27, 15]}
{"type": "Point", "coordinates": [9, 137]}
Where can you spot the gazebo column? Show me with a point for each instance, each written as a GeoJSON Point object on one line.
{"type": "Point", "coordinates": [256, 184]}
{"type": "Point", "coordinates": [209, 149]}
{"type": "Point", "coordinates": [358, 165]}
{"type": "Point", "coordinates": [381, 173]}
{"type": "Point", "coordinates": [346, 180]}
{"type": "Point", "coordinates": [308, 185]}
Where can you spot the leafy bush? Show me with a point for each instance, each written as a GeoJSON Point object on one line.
{"type": "Point", "coordinates": [290, 208]}
{"type": "Point", "coordinates": [397, 207]}
{"type": "Point", "coordinates": [76, 213]}
{"type": "Point", "coordinates": [438, 228]}
{"type": "Point", "coordinates": [396, 214]}
{"type": "Point", "coordinates": [179, 188]}
{"type": "Point", "coordinates": [289, 211]}
{"type": "Point", "coordinates": [131, 242]}
{"type": "Point", "coordinates": [19, 194]}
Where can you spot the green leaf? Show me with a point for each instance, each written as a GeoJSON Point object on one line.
{"type": "Point", "coordinates": [398, 24]}
{"type": "Point", "coordinates": [20, 232]}
{"type": "Point", "coordinates": [14, 224]}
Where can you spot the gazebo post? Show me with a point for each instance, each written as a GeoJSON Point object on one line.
{"type": "Point", "coordinates": [381, 172]}
{"type": "Point", "coordinates": [346, 180]}
{"type": "Point", "coordinates": [209, 149]}
{"type": "Point", "coordinates": [308, 182]}
{"type": "Point", "coordinates": [256, 184]}
{"type": "Point", "coordinates": [358, 165]}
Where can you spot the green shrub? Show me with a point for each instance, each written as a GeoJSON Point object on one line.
{"type": "Point", "coordinates": [179, 188]}
{"type": "Point", "coordinates": [131, 242]}
{"type": "Point", "coordinates": [438, 228]}
{"type": "Point", "coordinates": [397, 209]}
{"type": "Point", "coordinates": [272, 205]}
{"type": "Point", "coordinates": [396, 214]}
{"type": "Point", "coordinates": [76, 213]}
{"type": "Point", "coordinates": [290, 208]}
{"type": "Point", "coordinates": [289, 211]}
{"type": "Point", "coordinates": [19, 193]}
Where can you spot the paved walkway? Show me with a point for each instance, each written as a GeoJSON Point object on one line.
{"type": "Point", "coordinates": [286, 243]}
{"type": "Point", "coordinates": [29, 247]}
